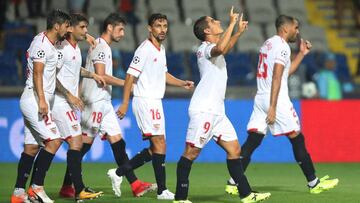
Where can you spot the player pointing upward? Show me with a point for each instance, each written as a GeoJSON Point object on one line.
{"type": "Point", "coordinates": [207, 110]}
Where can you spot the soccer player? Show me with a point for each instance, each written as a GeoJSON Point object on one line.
{"type": "Point", "coordinates": [150, 70]}
{"type": "Point", "coordinates": [99, 116]}
{"type": "Point", "coordinates": [207, 110]}
{"type": "Point", "coordinates": [36, 103]}
{"type": "Point", "coordinates": [67, 102]}
{"type": "Point", "coordinates": [272, 107]}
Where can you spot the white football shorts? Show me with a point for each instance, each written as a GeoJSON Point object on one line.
{"type": "Point", "coordinates": [204, 126]}
{"type": "Point", "coordinates": [42, 129]}
{"type": "Point", "coordinates": [149, 116]}
{"type": "Point", "coordinates": [287, 120]}
{"type": "Point", "coordinates": [100, 118]}
{"type": "Point", "coordinates": [66, 120]}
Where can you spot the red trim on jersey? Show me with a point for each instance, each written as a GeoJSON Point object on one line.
{"type": "Point", "coordinates": [190, 144]}
{"type": "Point", "coordinates": [103, 137]}
{"type": "Point", "coordinates": [147, 134]}
{"type": "Point", "coordinates": [253, 130]}
{"type": "Point", "coordinates": [286, 134]}
{"type": "Point", "coordinates": [135, 69]}
{"type": "Point", "coordinates": [47, 140]}
{"type": "Point", "coordinates": [53, 43]}
{"type": "Point", "coordinates": [218, 139]}
{"type": "Point", "coordinates": [73, 45]}
{"type": "Point", "coordinates": [158, 48]}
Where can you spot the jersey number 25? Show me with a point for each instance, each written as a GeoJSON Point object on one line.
{"type": "Point", "coordinates": [262, 66]}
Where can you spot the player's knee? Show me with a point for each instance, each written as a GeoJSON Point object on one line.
{"type": "Point", "coordinates": [114, 138]}
{"type": "Point", "coordinates": [53, 145]}
{"type": "Point", "coordinates": [191, 152]}
{"type": "Point", "coordinates": [253, 141]}
{"type": "Point", "coordinates": [31, 149]}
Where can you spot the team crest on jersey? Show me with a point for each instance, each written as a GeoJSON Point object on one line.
{"type": "Point", "coordinates": [101, 55]}
{"type": "Point", "coordinates": [40, 54]}
{"type": "Point", "coordinates": [60, 55]}
{"type": "Point", "coordinates": [283, 53]}
{"type": "Point", "coordinates": [53, 130]}
{"type": "Point", "coordinates": [156, 126]}
{"type": "Point", "coordinates": [202, 140]}
{"type": "Point", "coordinates": [75, 127]}
{"type": "Point", "coordinates": [136, 59]}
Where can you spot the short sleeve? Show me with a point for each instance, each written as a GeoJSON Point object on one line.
{"type": "Point", "coordinates": [208, 49]}
{"type": "Point", "coordinates": [282, 55]}
{"type": "Point", "coordinates": [38, 54]}
{"type": "Point", "coordinates": [98, 55]}
{"type": "Point", "coordinates": [138, 62]}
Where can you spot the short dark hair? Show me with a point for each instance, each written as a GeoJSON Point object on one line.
{"type": "Point", "coordinates": [282, 20]}
{"type": "Point", "coordinates": [56, 16]}
{"type": "Point", "coordinates": [113, 19]}
{"type": "Point", "coordinates": [156, 16]}
{"type": "Point", "coordinates": [76, 18]}
{"type": "Point", "coordinates": [199, 26]}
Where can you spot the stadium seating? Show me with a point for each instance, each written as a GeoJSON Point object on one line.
{"type": "Point", "coordinates": [195, 9]}
{"type": "Point", "coordinates": [251, 40]}
{"type": "Point", "coordinates": [167, 7]}
{"type": "Point", "coordinates": [222, 9]}
{"type": "Point", "coordinates": [294, 8]}
{"type": "Point", "coordinates": [99, 10]}
{"type": "Point", "coordinates": [183, 38]}
{"type": "Point", "coordinates": [261, 11]}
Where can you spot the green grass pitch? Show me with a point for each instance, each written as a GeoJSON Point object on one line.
{"type": "Point", "coordinates": [207, 181]}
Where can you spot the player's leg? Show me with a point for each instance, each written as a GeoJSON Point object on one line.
{"type": "Point", "coordinates": [47, 131]}
{"type": "Point", "coordinates": [225, 136]}
{"type": "Point", "coordinates": [23, 172]}
{"type": "Point", "coordinates": [110, 128]}
{"type": "Point", "coordinates": [232, 149]}
{"type": "Point", "coordinates": [198, 134]}
{"type": "Point", "coordinates": [118, 147]}
{"type": "Point", "coordinates": [303, 158]}
{"type": "Point", "coordinates": [257, 128]}
{"type": "Point", "coordinates": [183, 171]}
{"type": "Point", "coordinates": [67, 190]}
{"type": "Point", "coordinates": [74, 159]}
{"type": "Point", "coordinates": [158, 149]}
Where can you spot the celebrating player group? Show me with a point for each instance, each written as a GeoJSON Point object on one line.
{"type": "Point", "coordinates": [53, 96]}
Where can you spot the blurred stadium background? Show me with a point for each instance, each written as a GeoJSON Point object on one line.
{"type": "Point", "coordinates": [330, 126]}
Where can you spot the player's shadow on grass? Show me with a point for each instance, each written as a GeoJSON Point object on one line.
{"type": "Point", "coordinates": [273, 188]}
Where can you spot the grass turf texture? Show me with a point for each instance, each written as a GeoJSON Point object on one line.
{"type": "Point", "coordinates": [207, 182]}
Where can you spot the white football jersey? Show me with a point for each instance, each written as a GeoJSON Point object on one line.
{"type": "Point", "coordinates": [90, 90]}
{"type": "Point", "coordinates": [274, 50]}
{"type": "Point", "coordinates": [209, 94]}
{"type": "Point", "coordinates": [42, 50]}
{"type": "Point", "coordinates": [149, 67]}
{"type": "Point", "coordinates": [69, 74]}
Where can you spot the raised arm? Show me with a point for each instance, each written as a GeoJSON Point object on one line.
{"type": "Point", "coordinates": [242, 26]}
{"type": "Point", "coordinates": [222, 44]}
{"type": "Point", "coordinates": [275, 89]}
{"type": "Point", "coordinates": [305, 47]}
{"type": "Point", "coordinates": [171, 80]}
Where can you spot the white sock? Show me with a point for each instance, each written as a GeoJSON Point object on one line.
{"type": "Point", "coordinates": [231, 181]}
{"type": "Point", "coordinates": [313, 182]}
{"type": "Point", "coordinates": [19, 191]}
